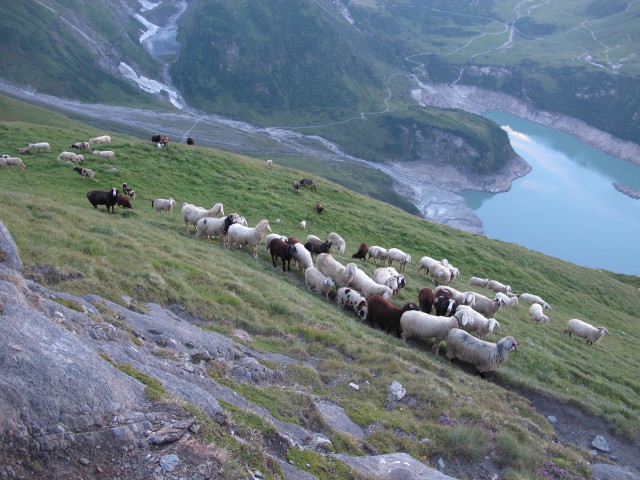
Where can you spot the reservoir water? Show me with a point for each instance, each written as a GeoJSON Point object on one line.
{"type": "Point", "coordinates": [566, 207]}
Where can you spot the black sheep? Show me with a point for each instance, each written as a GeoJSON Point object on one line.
{"type": "Point", "coordinates": [283, 250]}
{"type": "Point", "coordinates": [109, 198]}
{"type": "Point", "coordinates": [318, 247]}
{"type": "Point", "coordinates": [191, 141]}
{"type": "Point", "coordinates": [444, 303]}
{"type": "Point", "coordinates": [156, 138]}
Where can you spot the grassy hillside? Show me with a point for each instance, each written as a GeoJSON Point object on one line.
{"type": "Point", "coordinates": [68, 246]}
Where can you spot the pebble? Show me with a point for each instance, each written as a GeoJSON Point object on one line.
{"type": "Point", "coordinates": [601, 444]}
{"type": "Point", "coordinates": [552, 419]}
{"type": "Point", "coordinates": [354, 386]}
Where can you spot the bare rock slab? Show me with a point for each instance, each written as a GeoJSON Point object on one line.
{"type": "Point", "coordinates": [393, 466]}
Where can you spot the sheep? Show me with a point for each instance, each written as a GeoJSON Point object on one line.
{"type": "Point", "coordinates": [268, 238]}
{"type": "Point", "coordinates": [341, 275]}
{"type": "Point", "coordinates": [39, 146]}
{"type": "Point", "coordinates": [318, 247]}
{"type": "Point", "coordinates": [80, 145]}
{"type": "Point", "coordinates": [350, 298]}
{"type": "Point", "coordinates": [337, 240]}
{"type": "Point", "coordinates": [99, 140]}
{"type": "Point", "coordinates": [303, 224]}
{"type": "Point", "coordinates": [105, 154]}
{"type": "Point", "coordinates": [296, 186]}
{"type": "Point", "coordinates": [192, 213]}
{"type": "Point", "coordinates": [80, 157]}
{"type": "Point", "coordinates": [509, 301]}
{"type": "Point", "coordinates": [367, 287]}
{"type": "Point", "coordinates": [362, 252]}
{"type": "Point", "coordinates": [23, 151]}
{"type": "Point", "coordinates": [3, 162]}
{"type": "Point", "coordinates": [313, 238]}
{"type": "Point", "coordinates": [528, 297]}
{"type": "Point", "coordinates": [461, 298]}
{"type": "Point", "coordinates": [108, 198]}
{"type": "Point", "coordinates": [316, 280]}
{"type": "Point", "coordinates": [444, 303]}
{"type": "Point", "coordinates": [191, 141]}
{"type": "Point", "coordinates": [85, 172]}
{"type": "Point", "coordinates": [536, 313]}
{"type": "Point", "coordinates": [496, 286]}
{"type": "Point", "coordinates": [399, 256]}
{"type": "Point", "coordinates": [585, 330]}
{"type": "Point", "coordinates": [487, 306]}
{"type": "Point", "coordinates": [70, 156]}
{"type": "Point", "coordinates": [163, 204]}
{"type": "Point", "coordinates": [128, 191]}
{"type": "Point", "coordinates": [378, 253]}
{"type": "Point", "coordinates": [475, 321]}
{"type": "Point", "coordinates": [486, 356]}
{"type": "Point", "coordinates": [425, 263]}
{"type": "Point", "coordinates": [216, 226]}
{"type": "Point", "coordinates": [400, 278]}
{"type": "Point", "coordinates": [319, 208]}
{"type": "Point", "coordinates": [479, 282]}
{"type": "Point", "coordinates": [454, 271]}
{"type": "Point", "coordinates": [302, 257]}
{"type": "Point", "coordinates": [282, 250]}
{"type": "Point", "coordinates": [269, 163]}
{"type": "Point", "coordinates": [156, 138]}
{"type": "Point", "coordinates": [425, 300]}
{"type": "Point", "coordinates": [440, 273]}
{"type": "Point", "coordinates": [421, 324]}
{"type": "Point", "coordinates": [387, 277]}
{"type": "Point", "coordinates": [308, 182]}
{"type": "Point", "coordinates": [15, 161]}
{"type": "Point", "coordinates": [124, 202]}
{"type": "Point", "coordinates": [293, 241]}
{"type": "Point", "coordinates": [240, 235]}
{"type": "Point", "coordinates": [386, 314]}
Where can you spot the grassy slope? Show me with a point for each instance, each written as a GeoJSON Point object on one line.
{"type": "Point", "coordinates": [71, 247]}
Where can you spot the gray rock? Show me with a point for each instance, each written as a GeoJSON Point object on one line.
{"type": "Point", "coordinates": [171, 433]}
{"type": "Point", "coordinates": [602, 471]}
{"type": "Point", "coordinates": [393, 466]}
{"type": "Point", "coordinates": [169, 462]}
{"type": "Point", "coordinates": [601, 444]}
{"type": "Point", "coordinates": [397, 391]}
{"type": "Point", "coordinates": [552, 419]}
{"type": "Point", "coordinates": [337, 419]}
{"type": "Point", "coordinates": [9, 256]}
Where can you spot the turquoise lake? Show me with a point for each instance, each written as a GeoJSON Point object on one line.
{"type": "Point", "coordinates": [566, 207]}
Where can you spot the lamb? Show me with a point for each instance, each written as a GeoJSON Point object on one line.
{"type": "Point", "coordinates": [296, 186]}
{"type": "Point", "coordinates": [509, 301]}
{"type": "Point", "coordinates": [128, 191]}
{"type": "Point", "coordinates": [72, 157]}
{"type": "Point", "coordinates": [421, 324]}
{"type": "Point", "coordinates": [399, 256]}
{"type": "Point", "coordinates": [316, 280]}
{"type": "Point", "coordinates": [163, 204]}
{"type": "Point", "coordinates": [39, 146]}
{"type": "Point", "coordinates": [85, 172]}
{"type": "Point", "coordinates": [318, 247]}
{"type": "Point", "coordinates": [425, 300]}
{"type": "Point", "coordinates": [536, 313]}
{"type": "Point", "coordinates": [487, 306]}
{"type": "Point", "coordinates": [479, 282]}
{"type": "Point", "coordinates": [341, 275]}
{"type": "Point", "coordinates": [15, 162]}
{"type": "Point", "coordinates": [192, 213]}
{"type": "Point", "coordinates": [475, 321]}
{"type": "Point", "coordinates": [105, 154]}
{"type": "Point", "coordinates": [378, 253]}
{"type": "Point", "coordinates": [240, 235]}
{"type": "Point", "coordinates": [303, 224]}
{"type": "Point", "coordinates": [528, 297]}
{"type": "Point", "coordinates": [99, 140]}
{"type": "Point", "coordinates": [386, 314]}
{"type": "Point", "coordinates": [80, 145]}
{"type": "Point", "coordinates": [349, 298]}
{"type": "Point", "coordinates": [362, 251]}
{"type": "Point", "coordinates": [23, 151]}
{"type": "Point", "coordinates": [486, 356]}
{"type": "Point", "coordinates": [496, 286]}
{"type": "Point", "coordinates": [302, 257]}
{"type": "Point", "coordinates": [108, 198]}
{"type": "Point", "coordinates": [268, 238]}
{"type": "Point", "coordinates": [124, 202]}
{"type": "Point", "coordinates": [216, 226]}
{"type": "Point", "coordinates": [585, 330]}
{"type": "Point", "coordinates": [282, 250]}
{"type": "Point", "coordinates": [337, 240]}
{"type": "Point", "coordinates": [367, 287]}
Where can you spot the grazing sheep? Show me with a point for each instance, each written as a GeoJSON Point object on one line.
{"type": "Point", "coordinates": [316, 280]}
{"type": "Point", "coordinates": [23, 151]}
{"type": "Point", "coordinates": [390, 277]}
{"type": "Point", "coordinates": [109, 198]}
{"type": "Point", "coordinates": [479, 282]}
{"type": "Point", "coordinates": [536, 313]}
{"type": "Point", "coordinates": [402, 282]}
{"type": "Point", "coordinates": [318, 247]}
{"type": "Point", "coordinates": [425, 263]}
{"type": "Point", "coordinates": [454, 271]}
{"type": "Point", "coordinates": [399, 256]}
{"type": "Point", "coordinates": [85, 172]}
{"type": "Point", "coordinates": [444, 303]}
{"type": "Point", "coordinates": [156, 138]}
{"type": "Point", "coordinates": [307, 182]}
{"type": "Point", "coordinates": [99, 140]}
{"type": "Point", "coordinates": [319, 208]}
{"type": "Point", "coordinates": [240, 235]}
{"type": "Point", "coordinates": [293, 241]}
{"type": "Point", "coordinates": [281, 250]}
{"type": "Point", "coordinates": [441, 274]}
{"type": "Point", "coordinates": [80, 145]}
{"type": "Point", "coordinates": [585, 330]}
{"type": "Point", "coordinates": [191, 141]}
{"type": "Point", "coordinates": [80, 158]}
{"type": "Point", "coordinates": [3, 162]}
{"type": "Point", "coordinates": [509, 301]}
{"type": "Point", "coordinates": [303, 224]}
{"type": "Point", "coordinates": [269, 163]}
{"type": "Point", "coordinates": [350, 298]}
{"type": "Point", "coordinates": [124, 202]}
{"type": "Point", "coordinates": [313, 238]}
{"type": "Point", "coordinates": [302, 257]}
{"type": "Point", "coordinates": [271, 236]}
{"type": "Point", "coordinates": [362, 252]}
{"type": "Point", "coordinates": [421, 324]}
{"type": "Point", "coordinates": [487, 306]}
{"type": "Point", "coordinates": [15, 162]}
{"type": "Point", "coordinates": [386, 314]}
{"type": "Point", "coordinates": [475, 322]}
{"type": "Point", "coordinates": [425, 300]}
{"type": "Point", "coordinates": [486, 356]}
{"type": "Point", "coordinates": [461, 298]}
{"type": "Point", "coordinates": [341, 275]}
{"type": "Point", "coordinates": [367, 287]}
{"type": "Point", "coordinates": [296, 186]}
{"type": "Point", "coordinates": [337, 240]}
{"type": "Point", "coordinates": [39, 146]}
{"type": "Point", "coordinates": [216, 226]}
{"type": "Point", "coordinates": [128, 191]}
{"type": "Point", "coordinates": [105, 154]}
{"type": "Point", "coordinates": [496, 286]}
{"type": "Point", "coordinates": [163, 204]}
{"type": "Point", "coordinates": [378, 253]}
{"type": "Point", "coordinates": [528, 297]}
{"type": "Point", "coordinates": [192, 213]}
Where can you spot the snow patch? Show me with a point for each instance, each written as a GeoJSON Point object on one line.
{"type": "Point", "coordinates": [151, 28]}
{"type": "Point", "coordinates": [145, 5]}
{"type": "Point", "coordinates": [150, 86]}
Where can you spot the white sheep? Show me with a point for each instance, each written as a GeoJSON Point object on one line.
{"type": "Point", "coordinates": [163, 204]}
{"type": "Point", "coordinates": [100, 139]}
{"type": "Point", "coordinates": [338, 241]}
{"type": "Point", "coordinates": [367, 287]}
{"type": "Point", "coordinates": [350, 298]}
{"type": "Point", "coordinates": [215, 226]}
{"type": "Point", "coordinates": [585, 330]}
{"type": "Point", "coordinates": [441, 274]}
{"type": "Point", "coordinates": [303, 224]}
{"type": "Point", "coordinates": [14, 161]}
{"type": "Point", "coordinates": [496, 286]}
{"type": "Point", "coordinates": [479, 282]}
{"type": "Point", "coordinates": [269, 163]}
{"type": "Point", "coordinates": [40, 146]}
{"type": "Point", "coordinates": [73, 157]}
{"type": "Point", "coordinates": [454, 271]}
{"type": "Point", "coordinates": [80, 157]}
{"type": "Point", "coordinates": [388, 276]}
{"type": "Point", "coordinates": [3, 161]}
{"type": "Point", "coordinates": [508, 300]}
{"type": "Point", "coordinates": [415, 323]}
{"type": "Point", "coordinates": [316, 280]}
{"type": "Point", "coordinates": [399, 256]}
{"type": "Point", "coordinates": [461, 298]}
{"type": "Point", "coordinates": [271, 236]}
{"type": "Point", "coordinates": [486, 356]}
{"type": "Point", "coordinates": [425, 262]}
{"type": "Point", "coordinates": [314, 238]}
{"type": "Point", "coordinates": [341, 275]}
{"type": "Point", "coordinates": [240, 235]}
{"type": "Point", "coordinates": [378, 253]}
{"type": "Point", "coordinates": [475, 321]}
{"type": "Point", "coordinates": [487, 306]}
{"type": "Point", "coordinates": [192, 213]}
{"type": "Point", "coordinates": [528, 297]}
{"type": "Point", "coordinates": [536, 313]}
{"type": "Point", "coordinates": [302, 257]}
{"type": "Point", "coordinates": [105, 154]}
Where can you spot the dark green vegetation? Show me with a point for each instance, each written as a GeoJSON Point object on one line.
{"type": "Point", "coordinates": [151, 258]}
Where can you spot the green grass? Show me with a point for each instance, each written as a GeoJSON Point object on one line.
{"type": "Point", "coordinates": [150, 257]}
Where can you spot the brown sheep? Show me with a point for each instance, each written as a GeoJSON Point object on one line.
{"type": "Point", "coordinates": [386, 314]}
{"type": "Point", "coordinates": [362, 252]}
